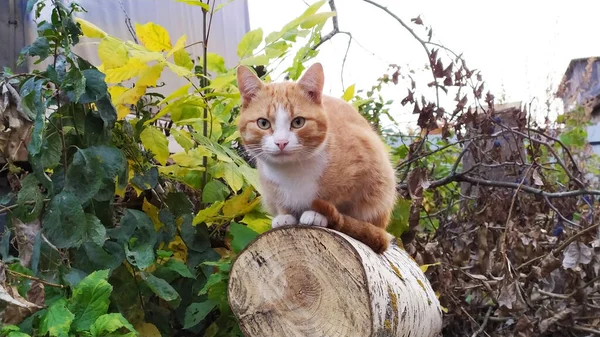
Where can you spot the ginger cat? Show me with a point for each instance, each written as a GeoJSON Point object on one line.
{"type": "Point", "coordinates": [320, 162]}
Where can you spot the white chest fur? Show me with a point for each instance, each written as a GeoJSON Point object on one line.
{"type": "Point", "coordinates": [297, 184]}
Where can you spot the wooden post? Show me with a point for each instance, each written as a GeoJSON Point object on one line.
{"type": "Point", "coordinates": [316, 282]}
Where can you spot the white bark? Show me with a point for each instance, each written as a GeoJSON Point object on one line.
{"type": "Point", "coordinates": [315, 282]}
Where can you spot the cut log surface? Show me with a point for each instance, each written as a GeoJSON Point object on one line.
{"type": "Point", "coordinates": [315, 282]}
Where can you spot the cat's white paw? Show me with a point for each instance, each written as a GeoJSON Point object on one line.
{"type": "Point", "coordinates": [312, 218]}
{"type": "Point", "coordinates": [283, 220]}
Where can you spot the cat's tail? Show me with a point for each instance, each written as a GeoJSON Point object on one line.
{"type": "Point", "coordinates": [375, 237]}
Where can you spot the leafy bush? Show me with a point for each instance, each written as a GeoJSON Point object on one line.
{"type": "Point", "coordinates": [135, 240]}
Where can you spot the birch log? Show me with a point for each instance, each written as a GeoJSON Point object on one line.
{"type": "Point", "coordinates": [315, 282]}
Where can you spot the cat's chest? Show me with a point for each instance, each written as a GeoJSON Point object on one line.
{"type": "Point", "coordinates": [296, 186]}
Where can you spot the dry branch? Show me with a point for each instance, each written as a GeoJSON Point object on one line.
{"type": "Point", "coordinates": [309, 282]}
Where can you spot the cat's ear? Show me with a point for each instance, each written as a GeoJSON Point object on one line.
{"type": "Point", "coordinates": [312, 82]}
{"type": "Point", "coordinates": [248, 83]}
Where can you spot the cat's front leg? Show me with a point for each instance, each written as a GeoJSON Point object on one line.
{"type": "Point", "coordinates": [312, 218]}
{"type": "Point", "coordinates": [284, 220]}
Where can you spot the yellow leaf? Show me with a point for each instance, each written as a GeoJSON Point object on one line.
{"type": "Point", "coordinates": [152, 212]}
{"type": "Point", "coordinates": [189, 176]}
{"type": "Point", "coordinates": [239, 204]}
{"type": "Point", "coordinates": [215, 62]}
{"type": "Point", "coordinates": [147, 330]}
{"type": "Point", "coordinates": [179, 249]}
{"type": "Point", "coordinates": [89, 29]}
{"type": "Point", "coordinates": [182, 59]}
{"type": "Point", "coordinates": [426, 266]}
{"type": "Point", "coordinates": [349, 93]}
{"type": "Point", "coordinates": [221, 81]}
{"type": "Point", "coordinates": [179, 70]}
{"type": "Point", "coordinates": [191, 158]}
{"type": "Point", "coordinates": [231, 173]}
{"type": "Point", "coordinates": [179, 45]}
{"type": "Point", "coordinates": [112, 53]}
{"type": "Point", "coordinates": [115, 92]}
{"type": "Point", "coordinates": [150, 76]}
{"type": "Point", "coordinates": [249, 42]}
{"type": "Point", "coordinates": [183, 138]}
{"type": "Point", "coordinates": [257, 222]}
{"type": "Point", "coordinates": [122, 111]}
{"type": "Point", "coordinates": [256, 60]}
{"type": "Point", "coordinates": [316, 19]}
{"type": "Point", "coordinates": [206, 214]}
{"type": "Point", "coordinates": [145, 56]}
{"type": "Point", "coordinates": [155, 140]}
{"type": "Point", "coordinates": [182, 91]}
{"type": "Point", "coordinates": [132, 69]}
{"type": "Point", "coordinates": [153, 36]}
{"type": "Point", "coordinates": [131, 96]}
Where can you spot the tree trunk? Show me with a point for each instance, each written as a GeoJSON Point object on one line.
{"type": "Point", "coordinates": [316, 282]}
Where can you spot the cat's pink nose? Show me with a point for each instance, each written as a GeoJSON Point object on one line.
{"type": "Point", "coordinates": [281, 144]}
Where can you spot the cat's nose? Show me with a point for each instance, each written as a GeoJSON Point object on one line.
{"type": "Point", "coordinates": [281, 144]}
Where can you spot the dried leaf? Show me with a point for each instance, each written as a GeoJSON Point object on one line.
{"type": "Point", "coordinates": [575, 254]}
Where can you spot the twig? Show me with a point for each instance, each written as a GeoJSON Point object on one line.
{"type": "Point", "coordinates": [586, 329]}
{"type": "Point", "coordinates": [461, 177]}
{"type": "Point", "coordinates": [412, 32]}
{"type": "Point", "coordinates": [484, 323]}
{"type": "Point", "coordinates": [560, 248]}
{"type": "Point", "coordinates": [16, 273]}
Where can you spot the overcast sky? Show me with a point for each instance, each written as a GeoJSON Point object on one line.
{"type": "Point", "coordinates": [520, 46]}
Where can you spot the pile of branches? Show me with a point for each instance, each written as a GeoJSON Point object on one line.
{"type": "Point", "coordinates": [516, 246]}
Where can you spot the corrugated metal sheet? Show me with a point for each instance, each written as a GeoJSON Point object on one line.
{"type": "Point", "coordinates": [228, 27]}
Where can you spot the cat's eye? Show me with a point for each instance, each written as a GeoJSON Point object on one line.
{"type": "Point", "coordinates": [263, 123]}
{"type": "Point", "coordinates": [298, 122]}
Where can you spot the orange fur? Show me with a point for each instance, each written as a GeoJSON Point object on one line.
{"type": "Point", "coordinates": [335, 163]}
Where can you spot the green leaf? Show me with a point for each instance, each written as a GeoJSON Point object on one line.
{"type": "Point", "coordinates": [146, 180]}
{"type": "Point", "coordinates": [316, 19]}
{"type": "Point", "coordinates": [249, 42]}
{"type": "Point", "coordinates": [182, 59]}
{"type": "Point", "coordinates": [349, 93]}
{"type": "Point", "coordinates": [179, 204]}
{"type": "Point", "coordinates": [155, 140]}
{"type": "Point", "coordinates": [231, 173]}
{"type": "Point", "coordinates": [214, 191]}
{"type": "Point", "coordinates": [213, 279]}
{"type": "Point", "coordinates": [192, 158]}
{"type": "Point", "coordinates": [257, 222]}
{"type": "Point", "coordinates": [106, 112]}
{"type": "Point", "coordinates": [196, 3]}
{"type": "Point", "coordinates": [90, 300]}
{"type": "Point", "coordinates": [30, 192]}
{"type": "Point", "coordinates": [141, 256]}
{"type": "Point", "coordinates": [40, 47]}
{"type": "Point", "coordinates": [95, 230]}
{"type": "Point", "coordinates": [197, 312]}
{"type": "Point", "coordinates": [95, 86]}
{"type": "Point", "coordinates": [196, 237]}
{"type": "Point", "coordinates": [160, 287]}
{"type": "Point", "coordinates": [183, 138]}
{"type": "Point", "coordinates": [51, 151]}
{"type": "Point", "coordinates": [256, 60]}
{"type": "Point", "coordinates": [74, 84]}
{"type": "Point", "coordinates": [57, 320]}
{"type": "Point", "coordinates": [178, 267]}
{"type": "Point", "coordinates": [242, 236]}
{"type": "Point", "coordinates": [141, 240]}
{"type": "Point", "coordinates": [92, 169]}
{"type": "Point", "coordinates": [215, 62]}
{"type": "Point", "coordinates": [64, 221]}
{"type": "Point", "coordinates": [107, 324]}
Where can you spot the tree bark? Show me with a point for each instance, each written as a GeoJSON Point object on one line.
{"type": "Point", "coordinates": [315, 282]}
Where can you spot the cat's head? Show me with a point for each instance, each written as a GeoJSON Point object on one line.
{"type": "Point", "coordinates": [282, 122]}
